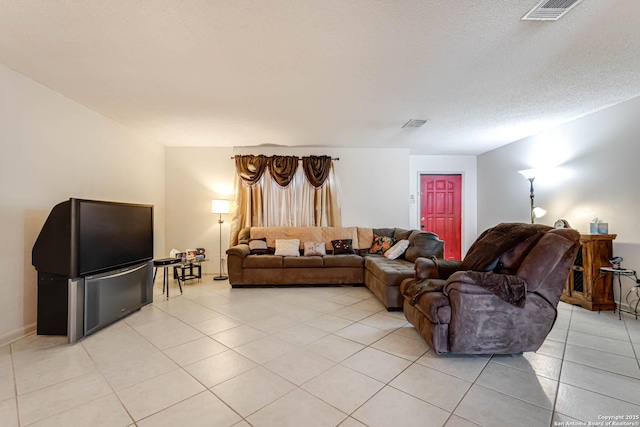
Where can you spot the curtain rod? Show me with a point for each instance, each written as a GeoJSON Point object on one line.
{"type": "Point", "coordinates": [299, 158]}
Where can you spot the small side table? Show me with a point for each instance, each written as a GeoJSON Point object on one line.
{"type": "Point", "coordinates": [187, 270]}
{"type": "Point", "coordinates": [165, 263]}
{"type": "Point", "coordinates": [619, 273]}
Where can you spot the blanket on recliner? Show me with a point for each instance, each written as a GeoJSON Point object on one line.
{"type": "Point", "coordinates": [511, 289]}
{"type": "Point", "coordinates": [486, 251]}
{"type": "Point", "coordinates": [507, 287]}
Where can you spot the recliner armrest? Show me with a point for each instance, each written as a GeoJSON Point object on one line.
{"type": "Point", "coordinates": [509, 288]}
{"type": "Point", "coordinates": [465, 288]}
{"type": "Point", "coordinates": [432, 268]}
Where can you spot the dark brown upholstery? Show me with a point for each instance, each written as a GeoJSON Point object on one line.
{"type": "Point", "coordinates": [509, 306]}
{"type": "Point", "coordinates": [381, 275]}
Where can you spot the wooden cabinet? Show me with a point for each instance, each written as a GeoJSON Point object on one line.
{"type": "Point", "coordinates": [586, 285]}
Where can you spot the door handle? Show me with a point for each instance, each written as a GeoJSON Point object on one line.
{"type": "Point", "coordinates": [421, 225]}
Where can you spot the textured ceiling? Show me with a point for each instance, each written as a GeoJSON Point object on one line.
{"type": "Point", "coordinates": [331, 72]}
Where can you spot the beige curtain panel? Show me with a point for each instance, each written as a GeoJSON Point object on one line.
{"type": "Point", "coordinates": [273, 191]}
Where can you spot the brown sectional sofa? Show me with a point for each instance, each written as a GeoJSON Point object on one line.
{"type": "Point", "coordinates": [380, 274]}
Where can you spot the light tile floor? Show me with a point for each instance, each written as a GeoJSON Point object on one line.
{"type": "Point", "coordinates": [323, 356]}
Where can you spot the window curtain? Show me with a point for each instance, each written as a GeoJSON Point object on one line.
{"type": "Point", "coordinates": [284, 191]}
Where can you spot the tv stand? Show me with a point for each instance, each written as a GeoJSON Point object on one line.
{"type": "Point", "coordinates": [77, 307]}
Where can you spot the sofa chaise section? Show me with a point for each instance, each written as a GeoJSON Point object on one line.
{"type": "Point", "coordinates": [383, 277]}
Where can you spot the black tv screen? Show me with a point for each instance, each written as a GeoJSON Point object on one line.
{"type": "Point", "coordinates": [82, 237]}
{"type": "Point", "coordinates": [112, 235]}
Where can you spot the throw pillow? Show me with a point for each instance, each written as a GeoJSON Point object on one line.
{"type": "Point", "coordinates": [288, 247]}
{"type": "Point", "coordinates": [381, 244]}
{"type": "Point", "coordinates": [397, 249]}
{"type": "Point", "coordinates": [258, 247]}
{"type": "Point", "coordinates": [314, 249]}
{"type": "Point", "coordinates": [343, 246]}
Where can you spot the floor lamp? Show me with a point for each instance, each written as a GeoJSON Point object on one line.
{"type": "Point", "coordinates": [220, 207]}
{"type": "Point", "coordinates": [536, 212]}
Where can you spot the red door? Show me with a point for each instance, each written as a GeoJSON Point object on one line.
{"type": "Point", "coordinates": [441, 210]}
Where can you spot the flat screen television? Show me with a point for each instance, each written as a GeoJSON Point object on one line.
{"type": "Point", "coordinates": [82, 237]}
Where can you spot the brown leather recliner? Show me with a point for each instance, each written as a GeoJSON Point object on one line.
{"type": "Point", "coordinates": [500, 299]}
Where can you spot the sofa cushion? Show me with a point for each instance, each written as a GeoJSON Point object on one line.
{"type": "Point", "coordinates": [381, 244]}
{"type": "Point", "coordinates": [354, 261]}
{"type": "Point", "coordinates": [338, 233]}
{"type": "Point", "coordinates": [303, 262]}
{"type": "Point", "coordinates": [397, 250]}
{"type": "Point", "coordinates": [262, 261]}
{"type": "Point", "coordinates": [314, 249]}
{"type": "Point", "coordinates": [342, 247]}
{"type": "Point", "coordinates": [304, 234]}
{"type": "Point", "coordinates": [424, 244]}
{"type": "Point", "coordinates": [401, 234]}
{"type": "Point", "coordinates": [287, 247]}
{"type": "Point", "coordinates": [384, 231]}
{"type": "Point", "coordinates": [365, 238]}
{"type": "Point", "coordinates": [391, 272]}
{"type": "Point", "coordinates": [258, 247]}
{"type": "Point", "coordinates": [244, 235]}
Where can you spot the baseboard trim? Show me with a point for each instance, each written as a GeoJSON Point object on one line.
{"type": "Point", "coordinates": [15, 335]}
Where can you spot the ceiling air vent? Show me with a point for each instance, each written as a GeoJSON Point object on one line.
{"type": "Point", "coordinates": [413, 123]}
{"type": "Point", "coordinates": [550, 10]}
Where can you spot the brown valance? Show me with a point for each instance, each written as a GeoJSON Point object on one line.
{"type": "Point", "coordinates": [283, 168]}
{"type": "Point", "coordinates": [250, 168]}
{"type": "Point", "coordinates": [316, 169]}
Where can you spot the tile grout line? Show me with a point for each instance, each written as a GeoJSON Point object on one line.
{"type": "Point", "coordinates": [564, 350]}
{"type": "Point", "coordinates": [15, 384]}
{"type": "Point", "coordinates": [413, 362]}
{"type": "Point", "coordinates": [633, 347]}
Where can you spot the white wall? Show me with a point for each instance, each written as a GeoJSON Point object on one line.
{"type": "Point", "coordinates": [194, 177]}
{"type": "Point", "coordinates": [592, 169]}
{"type": "Point", "coordinates": [464, 165]}
{"type": "Point", "coordinates": [54, 149]}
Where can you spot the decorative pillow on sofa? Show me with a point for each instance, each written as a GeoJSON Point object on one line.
{"type": "Point", "coordinates": [381, 244]}
{"type": "Point", "coordinates": [397, 250]}
{"type": "Point", "coordinates": [288, 247]}
{"type": "Point", "coordinates": [314, 249]}
{"type": "Point", "coordinates": [258, 247]}
{"type": "Point", "coordinates": [343, 246]}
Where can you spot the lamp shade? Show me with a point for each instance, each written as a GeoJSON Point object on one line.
{"type": "Point", "coordinates": [220, 206]}
{"type": "Point", "coordinates": [539, 212]}
{"type": "Point", "coordinates": [528, 173]}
